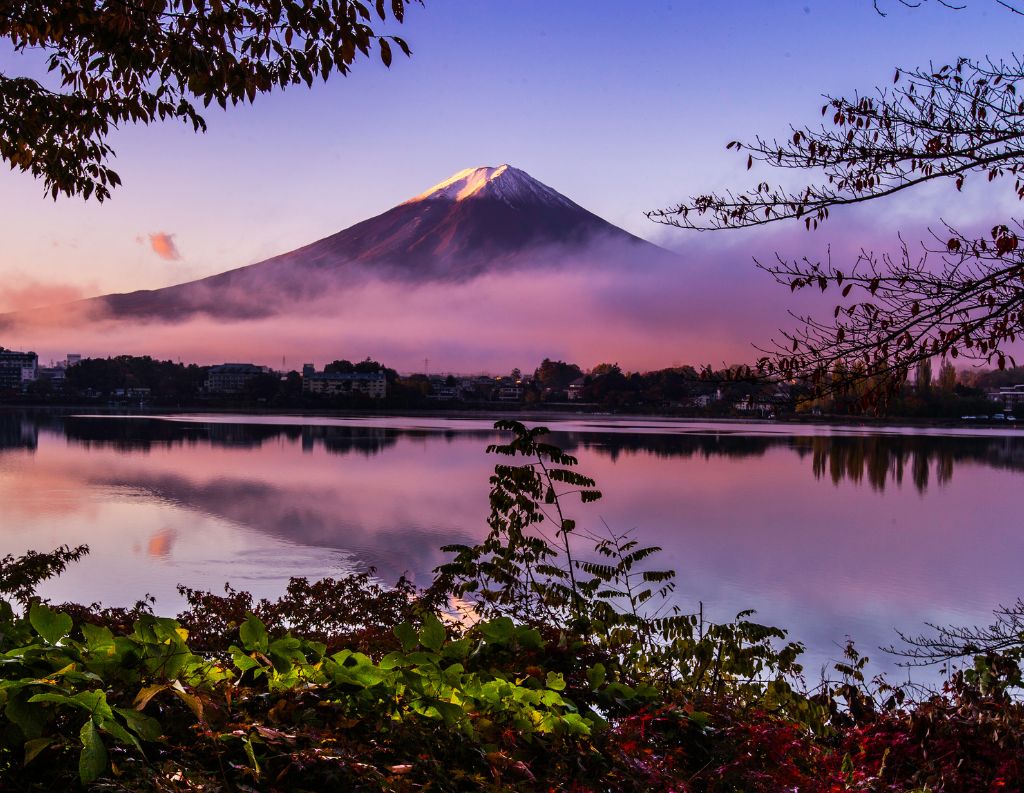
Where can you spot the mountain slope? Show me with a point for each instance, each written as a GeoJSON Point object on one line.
{"type": "Point", "coordinates": [480, 220]}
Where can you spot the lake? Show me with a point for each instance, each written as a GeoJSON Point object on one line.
{"type": "Point", "coordinates": [828, 532]}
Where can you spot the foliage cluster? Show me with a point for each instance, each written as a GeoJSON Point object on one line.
{"type": "Point", "coordinates": [115, 63]}
{"type": "Point", "coordinates": [173, 381]}
{"type": "Point", "coordinates": [569, 673]}
{"type": "Point", "coordinates": [956, 297]}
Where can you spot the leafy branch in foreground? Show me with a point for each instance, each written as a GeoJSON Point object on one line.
{"type": "Point", "coordinates": [20, 576]}
{"type": "Point", "coordinates": [530, 567]}
{"type": "Point", "coordinates": [962, 296]}
{"type": "Point", "coordinates": [948, 122]}
{"type": "Point", "coordinates": [898, 311]}
{"type": "Point", "coordinates": [120, 62]}
{"type": "Point", "coordinates": [987, 656]}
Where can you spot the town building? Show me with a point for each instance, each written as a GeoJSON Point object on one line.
{"type": "Point", "coordinates": [707, 399]}
{"type": "Point", "coordinates": [17, 369]}
{"type": "Point", "coordinates": [232, 378]}
{"type": "Point", "coordinates": [1010, 397]}
{"type": "Point", "coordinates": [512, 392]}
{"type": "Point", "coordinates": [371, 384]}
{"type": "Point", "coordinates": [54, 375]}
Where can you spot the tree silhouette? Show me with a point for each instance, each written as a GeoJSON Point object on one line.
{"type": "Point", "coordinates": [137, 61]}
{"type": "Point", "coordinates": [963, 295]}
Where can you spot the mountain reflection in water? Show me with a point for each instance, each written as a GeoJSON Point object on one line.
{"type": "Point", "coordinates": [827, 532]}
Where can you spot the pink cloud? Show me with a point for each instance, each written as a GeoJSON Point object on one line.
{"type": "Point", "coordinates": [20, 293]}
{"type": "Point", "coordinates": [163, 245]}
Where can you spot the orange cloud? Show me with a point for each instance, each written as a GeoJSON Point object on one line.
{"type": "Point", "coordinates": [163, 245]}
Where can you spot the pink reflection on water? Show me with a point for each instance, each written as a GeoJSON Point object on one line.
{"type": "Point", "coordinates": [161, 544]}
{"type": "Point", "coordinates": [822, 538]}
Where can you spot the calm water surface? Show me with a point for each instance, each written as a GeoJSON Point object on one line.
{"type": "Point", "coordinates": [829, 532]}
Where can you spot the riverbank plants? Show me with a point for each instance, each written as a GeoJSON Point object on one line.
{"type": "Point", "coordinates": [545, 657]}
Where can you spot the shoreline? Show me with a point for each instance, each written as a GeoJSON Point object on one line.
{"type": "Point", "coordinates": [516, 412]}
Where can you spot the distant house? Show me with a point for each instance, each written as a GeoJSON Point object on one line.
{"type": "Point", "coordinates": [754, 404]}
{"type": "Point", "coordinates": [17, 369]}
{"type": "Point", "coordinates": [371, 384]}
{"type": "Point", "coordinates": [707, 399]}
{"type": "Point", "coordinates": [1008, 396]}
{"type": "Point", "coordinates": [132, 393]}
{"type": "Point", "coordinates": [576, 387]}
{"type": "Point", "coordinates": [232, 378]}
{"type": "Point", "coordinates": [510, 393]}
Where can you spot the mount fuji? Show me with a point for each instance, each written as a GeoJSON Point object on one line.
{"type": "Point", "coordinates": [479, 221]}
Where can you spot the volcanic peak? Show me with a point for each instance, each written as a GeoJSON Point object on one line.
{"type": "Point", "coordinates": [503, 183]}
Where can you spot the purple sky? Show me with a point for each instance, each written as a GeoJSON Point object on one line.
{"type": "Point", "coordinates": [620, 110]}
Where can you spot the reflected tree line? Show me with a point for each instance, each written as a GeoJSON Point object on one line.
{"type": "Point", "coordinates": [876, 460]}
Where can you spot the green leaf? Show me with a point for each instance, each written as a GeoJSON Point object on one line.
{"type": "Point", "coordinates": [95, 702]}
{"type": "Point", "coordinates": [529, 638]}
{"type": "Point", "coordinates": [555, 681]}
{"type": "Point", "coordinates": [596, 675]}
{"type": "Point", "coordinates": [93, 760]}
{"type": "Point", "coordinates": [285, 653]}
{"type": "Point", "coordinates": [242, 661]}
{"type": "Point", "coordinates": [146, 694]}
{"type": "Point", "coordinates": [450, 712]}
{"type": "Point", "coordinates": [60, 699]}
{"type": "Point", "coordinates": [576, 724]}
{"type": "Point", "coordinates": [98, 639]}
{"type": "Point", "coordinates": [460, 648]}
{"type": "Point", "coordinates": [406, 634]}
{"type": "Point", "coordinates": [498, 631]}
{"type": "Point", "coordinates": [251, 754]}
{"type": "Point", "coordinates": [253, 634]}
{"type": "Point", "coordinates": [146, 727]}
{"type": "Point", "coordinates": [30, 719]}
{"type": "Point", "coordinates": [35, 746]}
{"type": "Point", "coordinates": [113, 727]}
{"type": "Point", "coordinates": [433, 634]}
{"type": "Point", "coordinates": [97, 635]}
{"type": "Point", "coordinates": [51, 625]}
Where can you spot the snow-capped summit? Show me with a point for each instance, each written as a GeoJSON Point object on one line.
{"type": "Point", "coordinates": [501, 183]}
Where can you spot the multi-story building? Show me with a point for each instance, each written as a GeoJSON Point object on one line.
{"type": "Point", "coordinates": [232, 378]}
{"type": "Point", "coordinates": [371, 384]}
{"type": "Point", "coordinates": [17, 369]}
